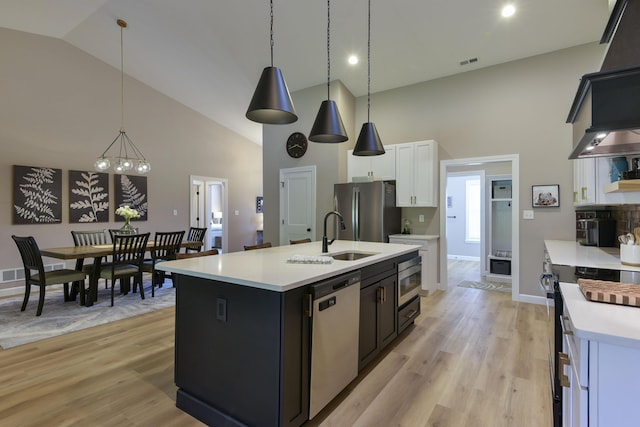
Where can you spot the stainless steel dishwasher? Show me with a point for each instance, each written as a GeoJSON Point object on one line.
{"type": "Point", "coordinates": [334, 338]}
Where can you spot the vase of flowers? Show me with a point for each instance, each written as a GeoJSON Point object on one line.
{"type": "Point", "coordinates": [127, 213]}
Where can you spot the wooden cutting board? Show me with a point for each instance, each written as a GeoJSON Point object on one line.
{"type": "Point", "coordinates": [610, 292]}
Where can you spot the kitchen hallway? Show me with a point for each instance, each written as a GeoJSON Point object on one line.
{"type": "Point", "coordinates": [473, 358]}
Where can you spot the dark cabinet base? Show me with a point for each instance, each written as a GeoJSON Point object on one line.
{"type": "Point", "coordinates": [247, 364]}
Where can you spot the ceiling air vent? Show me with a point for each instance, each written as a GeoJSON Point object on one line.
{"type": "Point", "coordinates": [469, 61]}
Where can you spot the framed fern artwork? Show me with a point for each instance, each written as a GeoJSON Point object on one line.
{"type": "Point", "coordinates": [88, 196]}
{"type": "Point", "coordinates": [37, 195]}
{"type": "Point", "coordinates": [131, 190]}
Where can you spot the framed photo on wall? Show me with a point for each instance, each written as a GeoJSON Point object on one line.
{"type": "Point", "coordinates": [37, 195]}
{"type": "Point", "coordinates": [88, 196]}
{"type": "Point", "coordinates": [131, 190]}
{"type": "Point", "coordinates": [545, 196]}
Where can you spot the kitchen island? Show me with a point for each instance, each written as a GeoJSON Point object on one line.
{"type": "Point", "coordinates": [243, 329]}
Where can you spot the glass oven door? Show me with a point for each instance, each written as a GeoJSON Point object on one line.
{"type": "Point", "coordinates": [409, 279]}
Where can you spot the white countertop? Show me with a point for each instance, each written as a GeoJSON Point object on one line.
{"type": "Point", "coordinates": [415, 236]}
{"type": "Point", "coordinates": [268, 268]}
{"type": "Point", "coordinates": [609, 323]}
{"type": "Point", "coordinates": [566, 252]}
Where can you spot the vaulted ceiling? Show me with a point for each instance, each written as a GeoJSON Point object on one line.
{"type": "Point", "coordinates": [209, 54]}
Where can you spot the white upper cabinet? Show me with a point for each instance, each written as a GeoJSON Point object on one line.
{"type": "Point", "coordinates": [592, 184]}
{"type": "Point", "coordinates": [417, 174]}
{"type": "Point", "coordinates": [375, 168]}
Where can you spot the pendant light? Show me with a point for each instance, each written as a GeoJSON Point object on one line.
{"type": "Point", "coordinates": [271, 102]}
{"type": "Point", "coordinates": [368, 143]}
{"type": "Point", "coordinates": [128, 156]}
{"type": "Point", "coordinates": [328, 125]}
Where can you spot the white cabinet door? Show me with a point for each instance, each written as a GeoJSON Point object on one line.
{"type": "Point", "coordinates": [384, 166]}
{"type": "Point", "coordinates": [425, 187]}
{"type": "Point", "coordinates": [417, 174]}
{"type": "Point", "coordinates": [584, 182]}
{"type": "Point", "coordinates": [404, 174]}
{"type": "Point", "coordinates": [381, 168]}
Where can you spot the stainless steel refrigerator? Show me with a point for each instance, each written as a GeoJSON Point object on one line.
{"type": "Point", "coordinates": [369, 210]}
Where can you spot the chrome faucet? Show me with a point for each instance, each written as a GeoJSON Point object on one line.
{"type": "Point", "coordinates": [325, 242]}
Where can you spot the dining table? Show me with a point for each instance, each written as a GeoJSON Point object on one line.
{"type": "Point", "coordinates": [97, 252]}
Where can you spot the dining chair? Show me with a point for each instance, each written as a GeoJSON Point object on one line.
{"type": "Point", "coordinates": [89, 238]}
{"type": "Point", "coordinates": [295, 242]}
{"type": "Point", "coordinates": [195, 235]}
{"type": "Point", "coordinates": [127, 258]}
{"type": "Point", "coordinates": [198, 254]}
{"type": "Point", "coordinates": [32, 261]}
{"type": "Point", "coordinates": [258, 246]}
{"type": "Point", "coordinates": [166, 246]}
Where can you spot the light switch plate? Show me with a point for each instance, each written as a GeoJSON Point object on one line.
{"type": "Point", "coordinates": [527, 214]}
{"type": "Point", "coordinates": [421, 218]}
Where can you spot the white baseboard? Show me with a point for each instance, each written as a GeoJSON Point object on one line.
{"type": "Point", "coordinates": [531, 299]}
{"type": "Point", "coordinates": [464, 257]}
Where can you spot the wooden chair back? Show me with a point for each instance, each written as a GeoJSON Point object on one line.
{"type": "Point", "coordinates": [89, 238]}
{"type": "Point", "coordinates": [259, 246]}
{"type": "Point", "coordinates": [295, 242]}
{"type": "Point", "coordinates": [195, 235]}
{"type": "Point", "coordinates": [166, 245]}
{"type": "Point", "coordinates": [32, 262]}
{"type": "Point", "coordinates": [197, 254]}
{"type": "Point", "coordinates": [129, 249]}
{"type": "Point", "coordinates": [30, 254]}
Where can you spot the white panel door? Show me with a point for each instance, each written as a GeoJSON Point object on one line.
{"type": "Point", "coordinates": [297, 203]}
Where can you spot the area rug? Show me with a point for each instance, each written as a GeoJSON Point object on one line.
{"type": "Point", "coordinates": [485, 286]}
{"type": "Point", "coordinates": [59, 317]}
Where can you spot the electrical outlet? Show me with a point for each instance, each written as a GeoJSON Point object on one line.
{"type": "Point", "coordinates": [236, 213]}
{"type": "Point", "coordinates": [175, 212]}
{"type": "Point", "coordinates": [527, 214]}
{"type": "Point", "coordinates": [421, 218]}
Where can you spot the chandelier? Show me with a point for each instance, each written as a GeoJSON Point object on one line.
{"type": "Point", "coordinates": [126, 155]}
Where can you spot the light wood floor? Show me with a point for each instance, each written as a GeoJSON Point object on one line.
{"type": "Point", "coordinates": [473, 358]}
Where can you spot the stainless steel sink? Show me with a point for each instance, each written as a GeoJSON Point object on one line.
{"type": "Point", "coordinates": [351, 255]}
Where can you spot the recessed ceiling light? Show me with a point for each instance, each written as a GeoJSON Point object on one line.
{"type": "Point", "coordinates": [353, 60]}
{"type": "Point", "coordinates": [508, 10]}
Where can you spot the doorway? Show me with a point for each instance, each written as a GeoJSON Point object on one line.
{"type": "Point", "coordinates": [208, 202]}
{"type": "Point", "coordinates": [297, 203]}
{"type": "Point", "coordinates": [508, 164]}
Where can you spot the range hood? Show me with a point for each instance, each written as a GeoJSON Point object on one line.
{"type": "Point", "coordinates": [606, 109]}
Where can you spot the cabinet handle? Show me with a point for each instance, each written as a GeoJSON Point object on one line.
{"type": "Point", "coordinates": [568, 332]}
{"type": "Point", "coordinates": [310, 302]}
{"type": "Point", "coordinates": [411, 314]}
{"type": "Point", "coordinates": [584, 193]}
{"type": "Point", "coordinates": [575, 197]}
{"type": "Point", "coordinates": [384, 294]}
{"type": "Point", "coordinates": [564, 361]}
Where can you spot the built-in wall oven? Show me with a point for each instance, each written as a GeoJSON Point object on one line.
{"type": "Point", "coordinates": [409, 279]}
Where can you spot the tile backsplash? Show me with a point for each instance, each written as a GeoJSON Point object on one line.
{"type": "Point", "coordinates": [627, 218]}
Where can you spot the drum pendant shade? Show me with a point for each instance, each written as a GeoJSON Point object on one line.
{"type": "Point", "coordinates": [328, 126]}
{"type": "Point", "coordinates": [271, 102]}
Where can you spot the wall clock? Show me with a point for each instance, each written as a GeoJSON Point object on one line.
{"type": "Point", "coordinates": [296, 145]}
